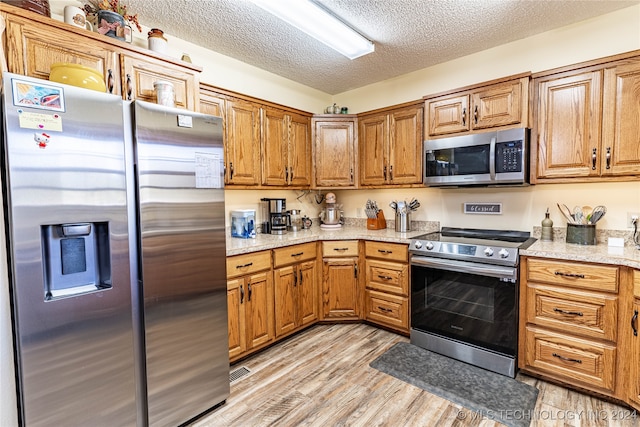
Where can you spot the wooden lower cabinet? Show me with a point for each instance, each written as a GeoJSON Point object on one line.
{"type": "Point", "coordinates": [387, 285]}
{"type": "Point", "coordinates": [570, 323]}
{"type": "Point", "coordinates": [249, 303]}
{"type": "Point", "coordinates": [634, 343]}
{"type": "Point", "coordinates": [296, 288]}
{"type": "Point", "coordinates": [340, 283]}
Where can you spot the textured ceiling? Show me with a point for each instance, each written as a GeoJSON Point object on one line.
{"type": "Point", "coordinates": [409, 34]}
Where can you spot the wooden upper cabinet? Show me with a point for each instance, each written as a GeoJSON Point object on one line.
{"type": "Point", "coordinates": [242, 143]}
{"type": "Point", "coordinates": [211, 103]}
{"type": "Point", "coordinates": [275, 138]}
{"type": "Point", "coordinates": [334, 145]}
{"type": "Point", "coordinates": [31, 49]}
{"type": "Point", "coordinates": [35, 42]}
{"type": "Point", "coordinates": [139, 74]}
{"type": "Point", "coordinates": [448, 114]}
{"type": "Point", "coordinates": [568, 111]}
{"type": "Point", "coordinates": [390, 146]}
{"type": "Point", "coordinates": [499, 103]}
{"type": "Point", "coordinates": [620, 152]}
{"type": "Point", "coordinates": [588, 118]}
{"type": "Point", "coordinates": [286, 140]}
{"type": "Point", "coordinates": [299, 150]}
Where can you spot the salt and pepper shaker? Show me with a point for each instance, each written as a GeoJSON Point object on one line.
{"type": "Point", "coordinates": [547, 228]}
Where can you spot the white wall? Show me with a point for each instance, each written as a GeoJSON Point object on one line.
{"type": "Point", "coordinates": [523, 207]}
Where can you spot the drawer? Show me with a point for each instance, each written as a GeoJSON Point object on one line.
{"type": "Point", "coordinates": [386, 276]}
{"type": "Point", "coordinates": [389, 310]}
{"type": "Point", "coordinates": [339, 248]}
{"type": "Point", "coordinates": [293, 254]}
{"type": "Point", "coordinates": [574, 274]}
{"type": "Point", "coordinates": [578, 312]}
{"type": "Point", "coordinates": [240, 265]}
{"type": "Point", "coordinates": [578, 361]}
{"type": "Point", "coordinates": [386, 250]}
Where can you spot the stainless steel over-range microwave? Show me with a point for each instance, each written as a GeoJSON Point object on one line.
{"type": "Point", "coordinates": [488, 158]}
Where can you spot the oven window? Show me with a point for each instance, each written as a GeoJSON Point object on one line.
{"type": "Point", "coordinates": [472, 160]}
{"type": "Point", "coordinates": [462, 299]}
{"type": "Point", "coordinates": [477, 310]}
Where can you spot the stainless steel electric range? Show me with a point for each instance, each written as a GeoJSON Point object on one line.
{"type": "Point", "coordinates": [464, 295]}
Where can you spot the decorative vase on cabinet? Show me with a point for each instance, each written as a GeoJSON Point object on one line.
{"type": "Point", "coordinates": [112, 24]}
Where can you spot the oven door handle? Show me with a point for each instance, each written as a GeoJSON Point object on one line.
{"type": "Point", "coordinates": [497, 271]}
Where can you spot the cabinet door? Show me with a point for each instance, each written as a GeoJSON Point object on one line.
{"type": "Point", "coordinates": [275, 142]}
{"type": "Point", "coordinates": [299, 150]}
{"type": "Point", "coordinates": [31, 49]}
{"type": "Point", "coordinates": [569, 115]}
{"type": "Point", "coordinates": [236, 320]}
{"type": "Point", "coordinates": [373, 139]}
{"type": "Point", "coordinates": [497, 105]}
{"type": "Point", "coordinates": [308, 292]}
{"type": "Point", "coordinates": [139, 73]}
{"type": "Point", "coordinates": [334, 151]}
{"type": "Point", "coordinates": [620, 152]}
{"type": "Point", "coordinates": [285, 293]}
{"type": "Point", "coordinates": [340, 289]}
{"type": "Point", "coordinates": [448, 114]}
{"type": "Point", "coordinates": [212, 104]}
{"type": "Point", "coordinates": [242, 143]}
{"type": "Point", "coordinates": [259, 299]}
{"type": "Point", "coordinates": [635, 354]}
{"type": "Point", "coordinates": [405, 146]}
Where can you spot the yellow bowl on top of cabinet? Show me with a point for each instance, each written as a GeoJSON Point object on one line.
{"type": "Point", "coordinates": [77, 75]}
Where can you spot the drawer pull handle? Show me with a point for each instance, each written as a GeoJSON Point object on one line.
{"type": "Point", "coordinates": [566, 359]}
{"type": "Point", "coordinates": [386, 310]}
{"type": "Point", "coordinates": [340, 249]}
{"type": "Point", "coordinates": [297, 254]}
{"type": "Point", "coordinates": [573, 313]}
{"type": "Point", "coordinates": [634, 323]}
{"type": "Point", "coordinates": [385, 277]}
{"type": "Point", "coordinates": [384, 251]}
{"type": "Point", "coordinates": [578, 276]}
{"type": "Point", "coordinates": [244, 265]}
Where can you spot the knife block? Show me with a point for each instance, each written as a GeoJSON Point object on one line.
{"type": "Point", "coordinates": [377, 223]}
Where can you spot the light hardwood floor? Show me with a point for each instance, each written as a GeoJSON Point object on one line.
{"type": "Point", "coordinates": [321, 377]}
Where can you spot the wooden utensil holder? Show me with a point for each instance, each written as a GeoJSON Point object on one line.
{"type": "Point", "coordinates": [377, 223]}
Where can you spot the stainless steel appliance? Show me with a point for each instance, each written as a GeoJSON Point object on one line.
{"type": "Point", "coordinates": [464, 295]}
{"type": "Point", "coordinates": [488, 158]}
{"type": "Point", "coordinates": [115, 234]}
{"type": "Point", "coordinates": [276, 210]}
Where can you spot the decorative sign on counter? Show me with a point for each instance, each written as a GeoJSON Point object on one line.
{"type": "Point", "coordinates": [483, 208]}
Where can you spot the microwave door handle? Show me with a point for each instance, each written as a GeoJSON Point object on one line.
{"type": "Point", "coordinates": [492, 159]}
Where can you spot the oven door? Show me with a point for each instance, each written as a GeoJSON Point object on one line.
{"type": "Point", "coordinates": [465, 301]}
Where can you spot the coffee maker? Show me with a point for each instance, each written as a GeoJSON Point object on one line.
{"type": "Point", "coordinates": [274, 216]}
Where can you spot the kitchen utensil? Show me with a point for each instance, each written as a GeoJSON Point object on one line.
{"type": "Point", "coordinates": [597, 213]}
{"type": "Point", "coordinates": [564, 210]}
{"type": "Point", "coordinates": [578, 215]}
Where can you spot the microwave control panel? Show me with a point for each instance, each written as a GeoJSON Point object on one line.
{"type": "Point", "coordinates": [509, 156]}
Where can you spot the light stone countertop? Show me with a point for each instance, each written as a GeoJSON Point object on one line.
{"type": "Point", "coordinates": [601, 253]}
{"type": "Point", "coordinates": [237, 246]}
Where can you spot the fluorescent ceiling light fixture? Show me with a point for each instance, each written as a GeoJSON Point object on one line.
{"type": "Point", "coordinates": [319, 24]}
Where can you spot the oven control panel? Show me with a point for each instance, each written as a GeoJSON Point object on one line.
{"type": "Point", "coordinates": [474, 253]}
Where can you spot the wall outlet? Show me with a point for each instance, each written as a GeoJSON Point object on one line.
{"type": "Point", "coordinates": [359, 212]}
{"type": "Point", "coordinates": [631, 216]}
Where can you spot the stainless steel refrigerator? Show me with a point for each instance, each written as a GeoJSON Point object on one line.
{"type": "Point", "coordinates": [114, 215]}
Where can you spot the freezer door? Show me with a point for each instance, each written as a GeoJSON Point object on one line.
{"type": "Point", "coordinates": [66, 215]}
{"type": "Point", "coordinates": [182, 253]}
